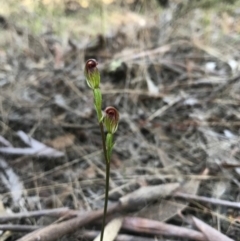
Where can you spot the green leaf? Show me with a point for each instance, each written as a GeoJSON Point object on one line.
{"type": "Point", "coordinates": [98, 103]}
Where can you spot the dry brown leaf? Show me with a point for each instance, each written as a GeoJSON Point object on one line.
{"type": "Point", "coordinates": [168, 209]}
{"type": "Point", "coordinates": [211, 233]}
{"type": "Point", "coordinates": [111, 230]}
{"type": "Point", "coordinates": [62, 142]}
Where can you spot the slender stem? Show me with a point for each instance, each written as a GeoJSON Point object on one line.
{"type": "Point", "coordinates": [107, 179]}
{"type": "Point", "coordinates": [106, 200]}
{"type": "Point", "coordinates": [103, 142]}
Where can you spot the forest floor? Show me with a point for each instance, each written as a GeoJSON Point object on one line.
{"type": "Point", "coordinates": [173, 74]}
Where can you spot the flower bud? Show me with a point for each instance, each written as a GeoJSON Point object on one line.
{"type": "Point", "coordinates": [92, 74]}
{"type": "Point", "coordinates": [111, 119]}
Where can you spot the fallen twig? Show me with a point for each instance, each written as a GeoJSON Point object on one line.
{"type": "Point", "coordinates": [57, 230]}
{"type": "Point", "coordinates": [214, 201]}
{"type": "Point", "coordinates": [87, 234]}
{"type": "Point", "coordinates": [18, 228]}
{"type": "Point", "coordinates": [57, 212]}
{"type": "Point", "coordinates": [142, 225]}
{"type": "Point", "coordinates": [36, 148]}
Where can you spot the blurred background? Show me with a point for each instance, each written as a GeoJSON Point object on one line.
{"type": "Point", "coordinates": [171, 68]}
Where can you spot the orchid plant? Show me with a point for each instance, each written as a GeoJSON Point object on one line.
{"type": "Point", "coordinates": [108, 119]}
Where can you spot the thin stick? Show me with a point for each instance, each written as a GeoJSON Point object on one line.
{"type": "Point", "coordinates": [107, 179]}
{"type": "Point", "coordinates": [19, 228]}
{"type": "Point", "coordinates": [57, 212]}
{"type": "Point", "coordinates": [207, 199]}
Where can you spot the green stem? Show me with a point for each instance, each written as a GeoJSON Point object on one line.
{"type": "Point", "coordinates": [103, 142]}
{"type": "Point", "coordinates": [107, 179]}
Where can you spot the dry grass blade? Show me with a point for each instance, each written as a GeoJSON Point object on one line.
{"type": "Point", "coordinates": [214, 201]}
{"type": "Point", "coordinates": [111, 230]}
{"type": "Point", "coordinates": [58, 212]}
{"type": "Point", "coordinates": [160, 111]}
{"type": "Point", "coordinates": [5, 236]}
